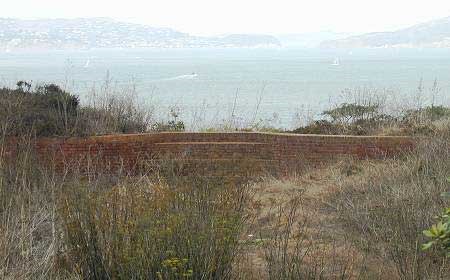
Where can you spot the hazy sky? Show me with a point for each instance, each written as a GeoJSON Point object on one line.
{"type": "Point", "coordinates": [242, 16]}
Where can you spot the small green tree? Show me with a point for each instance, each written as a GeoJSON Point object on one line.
{"type": "Point", "coordinates": [440, 233]}
{"type": "Point", "coordinates": [348, 113]}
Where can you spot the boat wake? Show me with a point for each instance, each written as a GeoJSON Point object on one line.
{"type": "Point", "coordinates": [183, 77]}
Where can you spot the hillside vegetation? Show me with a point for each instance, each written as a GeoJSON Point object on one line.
{"type": "Point", "coordinates": [48, 110]}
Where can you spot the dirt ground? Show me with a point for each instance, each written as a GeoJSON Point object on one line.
{"type": "Point", "coordinates": [314, 224]}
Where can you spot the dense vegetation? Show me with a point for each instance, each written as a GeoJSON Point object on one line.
{"type": "Point", "coordinates": [50, 111]}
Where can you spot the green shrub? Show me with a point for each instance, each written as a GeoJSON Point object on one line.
{"type": "Point", "coordinates": [47, 111]}
{"type": "Point", "coordinates": [440, 232]}
{"type": "Point", "coordinates": [349, 113]}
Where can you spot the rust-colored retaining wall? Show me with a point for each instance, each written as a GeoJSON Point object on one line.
{"type": "Point", "coordinates": [277, 152]}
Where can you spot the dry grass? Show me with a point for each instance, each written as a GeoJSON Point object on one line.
{"type": "Point", "coordinates": [386, 211]}
{"type": "Point", "coordinates": [347, 220]}
{"type": "Point", "coordinates": [28, 219]}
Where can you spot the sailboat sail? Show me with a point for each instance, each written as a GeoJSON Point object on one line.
{"type": "Point", "coordinates": [336, 62]}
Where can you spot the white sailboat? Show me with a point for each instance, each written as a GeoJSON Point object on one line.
{"type": "Point", "coordinates": [336, 62]}
{"type": "Point", "coordinates": [88, 62]}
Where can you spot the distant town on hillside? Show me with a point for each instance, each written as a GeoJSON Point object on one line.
{"type": "Point", "coordinates": [88, 33]}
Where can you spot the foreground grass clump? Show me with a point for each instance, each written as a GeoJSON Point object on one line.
{"type": "Point", "coordinates": [29, 236]}
{"type": "Point", "coordinates": [152, 230]}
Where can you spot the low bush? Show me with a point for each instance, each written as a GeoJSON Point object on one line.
{"type": "Point", "coordinates": [369, 112]}
{"type": "Point", "coordinates": [173, 124]}
{"type": "Point", "coordinates": [421, 122]}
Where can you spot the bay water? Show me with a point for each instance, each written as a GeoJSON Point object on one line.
{"type": "Point", "coordinates": [211, 85]}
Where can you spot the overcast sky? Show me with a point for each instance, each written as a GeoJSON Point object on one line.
{"type": "Point", "coordinates": [208, 17]}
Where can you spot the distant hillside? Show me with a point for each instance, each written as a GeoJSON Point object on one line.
{"type": "Point", "coordinates": [108, 33]}
{"type": "Point", "coordinates": [248, 40]}
{"type": "Point", "coordinates": [309, 40]}
{"type": "Point", "coordinates": [435, 34]}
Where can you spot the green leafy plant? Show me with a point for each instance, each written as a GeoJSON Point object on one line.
{"type": "Point", "coordinates": [439, 233]}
